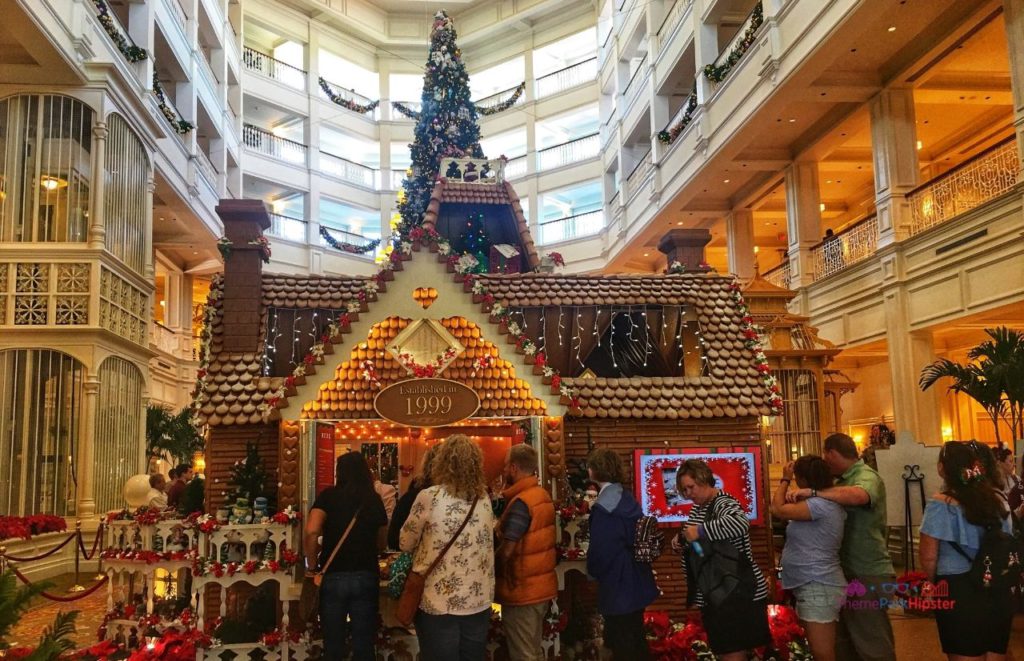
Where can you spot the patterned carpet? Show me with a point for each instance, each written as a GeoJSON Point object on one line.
{"type": "Point", "coordinates": [91, 610]}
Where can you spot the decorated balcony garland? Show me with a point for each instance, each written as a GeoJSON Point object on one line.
{"type": "Point", "coordinates": [752, 340]}
{"type": "Point", "coordinates": [347, 104]}
{"type": "Point", "coordinates": [717, 73]}
{"type": "Point", "coordinates": [344, 246]}
{"type": "Point", "coordinates": [203, 566]}
{"type": "Point", "coordinates": [131, 52]}
{"type": "Point", "coordinates": [426, 370]}
{"type": "Point", "coordinates": [669, 135]}
{"type": "Point", "coordinates": [181, 126]}
{"type": "Point", "coordinates": [406, 111]}
{"type": "Point", "coordinates": [504, 105]}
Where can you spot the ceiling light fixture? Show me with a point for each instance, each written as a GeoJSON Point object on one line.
{"type": "Point", "coordinates": [647, 254]}
{"type": "Point", "coordinates": [821, 207]}
{"type": "Point", "coordinates": [725, 181]}
{"type": "Point", "coordinates": [919, 145]}
{"type": "Point", "coordinates": [792, 120]}
{"type": "Point", "coordinates": [892, 28]}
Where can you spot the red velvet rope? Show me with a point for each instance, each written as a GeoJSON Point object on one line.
{"type": "Point", "coordinates": [95, 543]}
{"type": "Point", "coordinates": [53, 597]}
{"type": "Point", "coordinates": [43, 555]}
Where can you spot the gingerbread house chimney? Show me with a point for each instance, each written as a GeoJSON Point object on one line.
{"type": "Point", "coordinates": [686, 246]}
{"type": "Point", "coordinates": [244, 222]}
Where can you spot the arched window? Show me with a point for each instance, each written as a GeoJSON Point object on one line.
{"type": "Point", "coordinates": [125, 211]}
{"type": "Point", "coordinates": [118, 438]}
{"type": "Point", "coordinates": [45, 168]}
{"type": "Point", "coordinates": [41, 398]}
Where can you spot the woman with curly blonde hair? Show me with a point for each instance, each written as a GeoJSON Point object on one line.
{"type": "Point", "coordinates": [452, 520]}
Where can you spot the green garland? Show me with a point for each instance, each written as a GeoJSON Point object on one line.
{"type": "Point", "coordinates": [504, 105]}
{"type": "Point", "coordinates": [345, 103]}
{"type": "Point", "coordinates": [131, 52]}
{"type": "Point", "coordinates": [348, 247]}
{"type": "Point", "coordinates": [669, 135]}
{"type": "Point", "coordinates": [406, 111]}
{"type": "Point", "coordinates": [717, 74]}
{"type": "Point", "coordinates": [180, 126]}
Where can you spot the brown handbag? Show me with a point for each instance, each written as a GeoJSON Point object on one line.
{"type": "Point", "coordinates": [412, 593]}
{"type": "Point", "coordinates": [309, 600]}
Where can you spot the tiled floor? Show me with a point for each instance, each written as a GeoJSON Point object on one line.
{"type": "Point", "coordinates": [916, 637]}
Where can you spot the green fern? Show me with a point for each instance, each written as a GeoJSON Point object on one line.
{"type": "Point", "coordinates": [56, 638]}
{"type": "Point", "coordinates": [14, 601]}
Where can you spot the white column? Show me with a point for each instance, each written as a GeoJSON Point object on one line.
{"type": "Point", "coordinates": [803, 220]}
{"type": "Point", "coordinates": [1013, 18]}
{"type": "Point", "coordinates": [894, 151]}
{"type": "Point", "coordinates": [530, 93]}
{"type": "Point", "coordinates": [909, 352]}
{"type": "Point", "coordinates": [739, 227]}
{"type": "Point", "coordinates": [147, 267]}
{"type": "Point", "coordinates": [705, 45]}
{"type": "Point", "coordinates": [97, 231]}
{"type": "Point", "coordinates": [86, 505]}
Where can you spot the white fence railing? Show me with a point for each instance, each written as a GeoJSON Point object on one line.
{"type": "Point", "coordinates": [347, 170]}
{"type": "Point", "coordinates": [635, 180]}
{"type": "Point", "coordinates": [273, 68]}
{"type": "Point", "coordinates": [473, 170]}
{"type": "Point", "coordinates": [206, 169]}
{"type": "Point", "coordinates": [967, 186]}
{"type": "Point", "coordinates": [571, 227]}
{"type": "Point", "coordinates": [632, 89]}
{"type": "Point", "coordinates": [288, 227]}
{"type": "Point", "coordinates": [515, 167]}
{"type": "Point", "coordinates": [577, 74]}
{"type": "Point", "coordinates": [268, 144]}
{"type": "Point", "coordinates": [568, 152]}
{"type": "Point", "coordinates": [178, 14]}
{"type": "Point", "coordinates": [779, 276]}
{"type": "Point", "coordinates": [839, 251]}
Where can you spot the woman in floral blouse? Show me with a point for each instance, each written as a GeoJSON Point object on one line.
{"type": "Point", "coordinates": [455, 611]}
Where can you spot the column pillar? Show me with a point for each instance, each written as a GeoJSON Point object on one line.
{"type": "Point", "coordinates": [894, 151]}
{"type": "Point", "coordinates": [1013, 17]}
{"type": "Point", "coordinates": [530, 93]}
{"type": "Point", "coordinates": [147, 267]}
{"type": "Point", "coordinates": [86, 505]}
{"type": "Point", "coordinates": [739, 234]}
{"type": "Point", "coordinates": [916, 411]}
{"type": "Point", "coordinates": [705, 44]}
{"type": "Point", "coordinates": [97, 231]}
{"type": "Point", "coordinates": [803, 220]}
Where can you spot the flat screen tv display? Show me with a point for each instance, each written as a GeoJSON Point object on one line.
{"type": "Point", "coordinates": [737, 471]}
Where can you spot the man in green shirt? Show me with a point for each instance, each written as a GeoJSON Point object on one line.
{"type": "Point", "coordinates": [864, 632]}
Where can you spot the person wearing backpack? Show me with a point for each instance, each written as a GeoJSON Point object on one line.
{"type": "Point", "coordinates": [722, 578]}
{"type": "Point", "coordinates": [625, 587]}
{"type": "Point", "coordinates": [966, 544]}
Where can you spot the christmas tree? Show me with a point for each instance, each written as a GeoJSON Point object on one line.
{"type": "Point", "coordinates": [248, 477]}
{"type": "Point", "coordinates": [473, 240]}
{"type": "Point", "coordinates": [447, 124]}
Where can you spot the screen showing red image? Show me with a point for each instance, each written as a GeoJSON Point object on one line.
{"type": "Point", "coordinates": [737, 472]}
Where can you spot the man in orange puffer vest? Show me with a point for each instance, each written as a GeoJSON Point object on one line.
{"type": "Point", "coordinates": [525, 566]}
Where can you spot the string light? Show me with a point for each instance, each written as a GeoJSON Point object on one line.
{"type": "Point", "coordinates": [561, 327]}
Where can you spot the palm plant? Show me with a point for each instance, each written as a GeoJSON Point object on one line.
{"type": "Point", "coordinates": [171, 436]}
{"type": "Point", "coordinates": [14, 601]}
{"type": "Point", "coordinates": [994, 378]}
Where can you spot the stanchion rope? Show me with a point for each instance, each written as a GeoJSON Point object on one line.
{"type": "Point", "coordinates": [53, 597]}
{"type": "Point", "coordinates": [95, 543]}
{"type": "Point", "coordinates": [13, 558]}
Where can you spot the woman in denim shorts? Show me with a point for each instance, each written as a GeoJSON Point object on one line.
{"type": "Point", "coordinates": [810, 559]}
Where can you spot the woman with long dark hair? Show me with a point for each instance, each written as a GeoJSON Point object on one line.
{"type": "Point", "coordinates": [976, 626]}
{"type": "Point", "coordinates": [810, 558]}
{"type": "Point", "coordinates": [349, 591]}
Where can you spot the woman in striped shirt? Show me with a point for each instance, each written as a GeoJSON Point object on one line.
{"type": "Point", "coordinates": [738, 624]}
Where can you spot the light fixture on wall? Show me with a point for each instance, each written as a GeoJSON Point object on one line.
{"type": "Point", "coordinates": [199, 463]}
{"type": "Point", "coordinates": [52, 183]}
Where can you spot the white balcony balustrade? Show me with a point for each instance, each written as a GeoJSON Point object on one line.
{"type": "Point", "coordinates": [266, 143]}
{"type": "Point", "coordinates": [633, 86]}
{"type": "Point", "coordinates": [486, 105]}
{"type": "Point", "coordinates": [573, 151]}
{"type": "Point", "coordinates": [287, 227]}
{"type": "Point", "coordinates": [967, 186]}
{"type": "Point", "coordinates": [635, 180]}
{"type": "Point", "coordinates": [780, 276]}
{"type": "Point", "coordinates": [206, 169]}
{"type": "Point", "coordinates": [473, 170]}
{"type": "Point", "coordinates": [515, 167]}
{"type": "Point", "coordinates": [725, 57]}
{"type": "Point", "coordinates": [571, 76]}
{"type": "Point", "coordinates": [349, 99]}
{"type": "Point", "coordinates": [346, 170]}
{"type": "Point", "coordinates": [571, 227]}
{"type": "Point", "coordinates": [344, 238]}
{"type": "Point", "coordinates": [273, 68]}
{"type": "Point", "coordinates": [846, 248]}
{"type": "Point", "coordinates": [672, 18]}
{"type": "Point", "coordinates": [178, 14]}
{"type": "Point", "coordinates": [397, 177]}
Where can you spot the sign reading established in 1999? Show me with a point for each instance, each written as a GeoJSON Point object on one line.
{"type": "Point", "coordinates": [426, 402]}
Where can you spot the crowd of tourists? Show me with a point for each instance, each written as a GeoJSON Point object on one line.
{"type": "Point", "coordinates": [835, 551]}
{"type": "Point", "coordinates": [166, 493]}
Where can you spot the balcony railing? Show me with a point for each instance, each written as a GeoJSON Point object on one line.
{"type": "Point", "coordinates": [178, 14]}
{"type": "Point", "coordinates": [779, 276]}
{"type": "Point", "coordinates": [206, 169]}
{"type": "Point", "coordinates": [163, 338]}
{"type": "Point", "coordinates": [498, 98]}
{"type": "Point", "coordinates": [572, 227]}
{"type": "Point", "coordinates": [347, 170]}
{"type": "Point", "coordinates": [634, 78]}
{"type": "Point", "coordinates": [288, 227]}
{"type": "Point", "coordinates": [735, 49]}
{"type": "Point", "coordinates": [636, 178]}
{"type": "Point", "coordinates": [568, 152]}
{"type": "Point", "coordinates": [571, 76]}
{"type": "Point", "coordinates": [838, 252]}
{"type": "Point", "coordinates": [672, 18]}
{"type": "Point", "coordinates": [397, 177]}
{"type": "Point", "coordinates": [473, 170]}
{"type": "Point", "coordinates": [348, 99]}
{"type": "Point", "coordinates": [274, 68]}
{"type": "Point", "coordinates": [515, 167]}
{"type": "Point", "coordinates": [266, 143]}
{"type": "Point", "coordinates": [344, 236]}
{"type": "Point", "coordinates": [969, 185]}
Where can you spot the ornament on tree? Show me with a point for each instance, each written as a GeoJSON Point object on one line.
{"type": "Point", "coordinates": [248, 478]}
{"type": "Point", "coordinates": [474, 240]}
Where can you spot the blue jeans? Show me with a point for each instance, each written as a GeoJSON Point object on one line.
{"type": "Point", "coordinates": [453, 637]}
{"type": "Point", "coordinates": [349, 597]}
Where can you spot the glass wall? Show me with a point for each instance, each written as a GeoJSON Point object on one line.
{"type": "Point", "coordinates": [119, 450]}
{"type": "Point", "coordinates": [126, 212]}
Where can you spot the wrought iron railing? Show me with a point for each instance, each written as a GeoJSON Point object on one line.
{"type": "Point", "coordinates": [273, 68]}
{"type": "Point", "coordinates": [850, 246]}
{"type": "Point", "coordinates": [571, 227]}
{"type": "Point", "coordinates": [347, 170]}
{"type": "Point", "coordinates": [779, 276]}
{"type": "Point", "coordinates": [569, 77]}
{"type": "Point", "coordinates": [969, 185]}
{"type": "Point", "coordinates": [639, 174]}
{"type": "Point", "coordinates": [287, 227]}
{"type": "Point", "coordinates": [268, 144]}
{"type": "Point", "coordinates": [568, 152]}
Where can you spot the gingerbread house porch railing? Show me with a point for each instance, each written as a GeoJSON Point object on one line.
{"type": "Point", "coordinates": [474, 170]}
